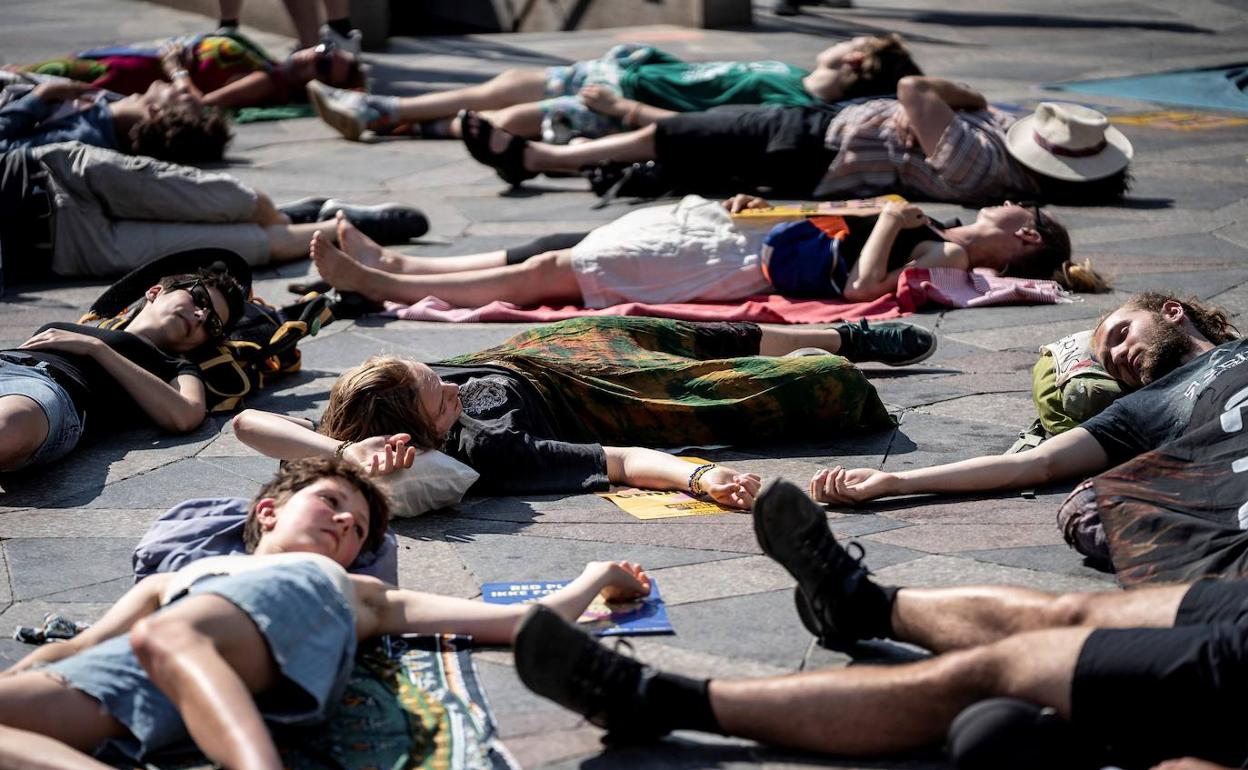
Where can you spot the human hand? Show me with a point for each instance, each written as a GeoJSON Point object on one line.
{"type": "Point", "coordinates": [620, 580]}
{"type": "Point", "coordinates": [907, 215]}
{"type": "Point", "coordinates": [63, 341]}
{"type": "Point", "coordinates": [61, 90]}
{"type": "Point", "coordinates": [382, 455]}
{"type": "Point", "coordinates": [605, 101]}
{"type": "Point", "coordinates": [841, 485]}
{"type": "Point", "coordinates": [742, 201]}
{"type": "Point", "coordinates": [728, 487]}
{"type": "Point", "coordinates": [1188, 763]}
{"type": "Point", "coordinates": [904, 130]}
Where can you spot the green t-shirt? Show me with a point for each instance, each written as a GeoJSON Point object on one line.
{"type": "Point", "coordinates": [664, 81]}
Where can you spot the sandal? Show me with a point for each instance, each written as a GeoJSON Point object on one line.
{"type": "Point", "coordinates": [476, 132]}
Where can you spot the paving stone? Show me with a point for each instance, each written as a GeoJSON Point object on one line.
{"type": "Point", "coordinates": [952, 538]}
{"type": "Point", "coordinates": [32, 613]}
{"type": "Point", "coordinates": [935, 571]}
{"type": "Point", "coordinates": [1059, 559]}
{"type": "Point", "coordinates": [171, 484]}
{"type": "Point", "coordinates": [773, 634]}
{"type": "Point", "coordinates": [720, 579]}
{"type": "Point", "coordinates": [433, 566]}
{"type": "Point", "coordinates": [494, 558]}
{"type": "Point", "coordinates": [78, 522]}
{"type": "Point", "coordinates": [40, 567]}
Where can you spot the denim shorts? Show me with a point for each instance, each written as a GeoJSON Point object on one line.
{"type": "Point", "coordinates": [308, 625]}
{"type": "Point", "coordinates": [64, 424]}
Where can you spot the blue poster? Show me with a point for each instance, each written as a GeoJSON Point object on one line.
{"type": "Point", "coordinates": [647, 615]}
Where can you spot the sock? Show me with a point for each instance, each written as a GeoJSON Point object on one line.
{"type": "Point", "coordinates": [228, 23]}
{"type": "Point", "coordinates": [383, 111]}
{"type": "Point", "coordinates": [879, 618]}
{"type": "Point", "coordinates": [677, 702]}
{"type": "Point", "coordinates": [341, 26]}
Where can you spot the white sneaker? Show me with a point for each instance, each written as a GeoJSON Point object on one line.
{"type": "Point", "coordinates": [352, 42]}
{"type": "Point", "coordinates": [346, 111]}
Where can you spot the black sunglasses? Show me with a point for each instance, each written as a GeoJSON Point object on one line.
{"type": "Point", "coordinates": [203, 300]}
{"type": "Point", "coordinates": [1034, 208]}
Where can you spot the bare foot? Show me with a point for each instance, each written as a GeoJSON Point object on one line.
{"type": "Point", "coordinates": [359, 246]}
{"type": "Point", "coordinates": [604, 101]}
{"type": "Point", "coordinates": [340, 270]}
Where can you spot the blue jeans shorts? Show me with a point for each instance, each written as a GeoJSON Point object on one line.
{"type": "Point", "coordinates": [64, 424]}
{"type": "Point", "coordinates": [310, 631]}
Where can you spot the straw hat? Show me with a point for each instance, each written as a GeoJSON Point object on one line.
{"type": "Point", "coordinates": [1068, 141]}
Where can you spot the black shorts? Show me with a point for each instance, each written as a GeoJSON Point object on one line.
{"type": "Point", "coordinates": [746, 148]}
{"type": "Point", "coordinates": [1156, 694]}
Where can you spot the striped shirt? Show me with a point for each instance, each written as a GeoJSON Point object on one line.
{"type": "Point", "coordinates": [971, 163]}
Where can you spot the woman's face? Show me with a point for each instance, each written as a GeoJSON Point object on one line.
{"type": "Point", "coordinates": [438, 400]}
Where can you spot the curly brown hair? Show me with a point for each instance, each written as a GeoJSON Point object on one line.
{"type": "Point", "coordinates": [182, 133]}
{"type": "Point", "coordinates": [887, 61]}
{"type": "Point", "coordinates": [1214, 323]}
{"type": "Point", "coordinates": [294, 475]}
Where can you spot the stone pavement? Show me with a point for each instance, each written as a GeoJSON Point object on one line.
{"type": "Point", "coordinates": [67, 534]}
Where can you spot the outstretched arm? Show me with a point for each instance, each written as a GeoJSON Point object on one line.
{"type": "Point", "coordinates": [289, 438]}
{"type": "Point", "coordinates": [650, 469]}
{"type": "Point", "coordinates": [135, 604]}
{"type": "Point", "coordinates": [252, 89]}
{"type": "Point", "coordinates": [390, 610]}
{"type": "Point", "coordinates": [1072, 454]}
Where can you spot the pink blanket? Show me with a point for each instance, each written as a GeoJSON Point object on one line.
{"type": "Point", "coordinates": [915, 287]}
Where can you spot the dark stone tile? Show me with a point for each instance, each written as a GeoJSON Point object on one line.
{"type": "Point", "coordinates": [45, 567]}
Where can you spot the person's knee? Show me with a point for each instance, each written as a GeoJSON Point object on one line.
{"type": "Point", "coordinates": [23, 429]}
{"type": "Point", "coordinates": [1068, 610]}
{"type": "Point", "coordinates": [158, 640]}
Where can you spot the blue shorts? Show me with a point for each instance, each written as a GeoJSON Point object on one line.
{"type": "Point", "coordinates": [310, 631]}
{"type": "Point", "coordinates": [64, 424]}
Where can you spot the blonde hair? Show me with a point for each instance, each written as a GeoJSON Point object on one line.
{"type": "Point", "coordinates": [377, 398]}
{"type": "Point", "coordinates": [1080, 277]}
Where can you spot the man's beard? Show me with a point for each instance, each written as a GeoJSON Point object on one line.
{"type": "Point", "coordinates": [1165, 347]}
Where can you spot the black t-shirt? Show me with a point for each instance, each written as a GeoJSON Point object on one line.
{"type": "Point", "coordinates": [92, 388]}
{"type": "Point", "coordinates": [1212, 386]}
{"type": "Point", "coordinates": [506, 435]}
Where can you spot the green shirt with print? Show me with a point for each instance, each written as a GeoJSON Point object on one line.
{"type": "Point", "coordinates": [662, 80]}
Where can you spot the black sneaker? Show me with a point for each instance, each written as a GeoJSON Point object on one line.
{"type": "Point", "coordinates": [557, 661]}
{"type": "Point", "coordinates": [304, 210]}
{"type": "Point", "coordinates": [892, 343]}
{"type": "Point", "coordinates": [831, 584]}
{"type": "Point", "coordinates": [387, 223]}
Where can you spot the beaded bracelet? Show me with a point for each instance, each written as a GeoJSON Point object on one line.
{"type": "Point", "coordinates": [342, 448]}
{"type": "Point", "coordinates": [695, 479]}
{"type": "Point", "coordinates": [179, 73]}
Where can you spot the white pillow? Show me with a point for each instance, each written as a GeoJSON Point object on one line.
{"type": "Point", "coordinates": [434, 481]}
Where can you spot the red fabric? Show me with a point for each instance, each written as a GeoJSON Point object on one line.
{"type": "Point", "coordinates": [916, 287]}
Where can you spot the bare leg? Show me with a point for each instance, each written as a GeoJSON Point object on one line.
{"type": "Point", "coordinates": [369, 253]}
{"type": "Point", "coordinates": [303, 16]}
{"type": "Point", "coordinates": [630, 147]}
{"type": "Point", "coordinates": [519, 119]}
{"type": "Point", "coordinates": [23, 429]}
{"type": "Point", "coordinates": [545, 278]}
{"type": "Point", "coordinates": [209, 658]}
{"type": "Point", "coordinates": [779, 340]}
{"type": "Point", "coordinates": [941, 619]}
{"type": "Point", "coordinates": [290, 242]}
{"type": "Point", "coordinates": [50, 725]}
{"type": "Point", "coordinates": [504, 90]}
{"type": "Point", "coordinates": [864, 710]}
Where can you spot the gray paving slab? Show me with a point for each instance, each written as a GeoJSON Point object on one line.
{"type": "Point", "coordinates": [41, 567]}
